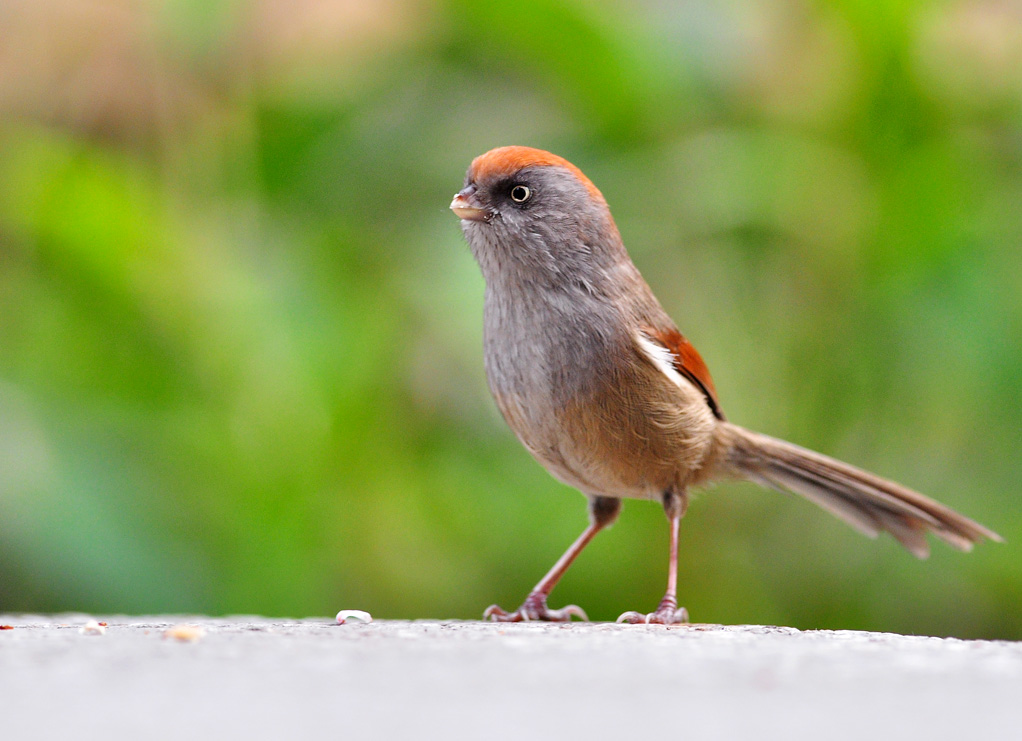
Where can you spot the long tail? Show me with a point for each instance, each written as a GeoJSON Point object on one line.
{"type": "Point", "coordinates": [865, 501]}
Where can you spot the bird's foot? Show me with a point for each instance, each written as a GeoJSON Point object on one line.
{"type": "Point", "coordinates": [534, 608]}
{"type": "Point", "coordinates": [668, 613]}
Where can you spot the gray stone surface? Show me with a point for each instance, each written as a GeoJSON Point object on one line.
{"type": "Point", "coordinates": [260, 678]}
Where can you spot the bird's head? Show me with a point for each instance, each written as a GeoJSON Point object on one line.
{"type": "Point", "coordinates": [535, 214]}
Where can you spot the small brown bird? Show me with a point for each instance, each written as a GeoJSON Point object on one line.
{"type": "Point", "coordinates": [600, 386]}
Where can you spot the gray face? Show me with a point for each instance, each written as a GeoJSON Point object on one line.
{"type": "Point", "coordinates": [539, 224]}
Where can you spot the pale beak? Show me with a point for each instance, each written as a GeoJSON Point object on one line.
{"type": "Point", "coordinates": [466, 207]}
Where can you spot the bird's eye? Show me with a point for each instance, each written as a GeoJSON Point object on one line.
{"type": "Point", "coordinates": [521, 193]}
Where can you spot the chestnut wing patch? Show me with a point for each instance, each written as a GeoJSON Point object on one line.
{"type": "Point", "coordinates": [687, 361]}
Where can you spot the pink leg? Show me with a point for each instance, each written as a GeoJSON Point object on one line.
{"type": "Point", "coordinates": [603, 512]}
{"type": "Point", "coordinates": [668, 612]}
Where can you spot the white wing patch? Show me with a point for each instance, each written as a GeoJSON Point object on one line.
{"type": "Point", "coordinates": [662, 358]}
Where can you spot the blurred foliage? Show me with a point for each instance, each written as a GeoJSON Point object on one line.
{"type": "Point", "coordinates": [240, 364]}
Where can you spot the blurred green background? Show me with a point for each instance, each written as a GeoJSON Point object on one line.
{"type": "Point", "coordinates": [240, 332]}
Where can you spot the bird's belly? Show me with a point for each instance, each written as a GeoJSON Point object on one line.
{"type": "Point", "coordinates": [637, 443]}
{"type": "Point", "coordinates": [591, 409]}
{"type": "Point", "coordinates": [632, 435]}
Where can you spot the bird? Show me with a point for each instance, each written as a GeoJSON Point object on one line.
{"type": "Point", "coordinates": [600, 386]}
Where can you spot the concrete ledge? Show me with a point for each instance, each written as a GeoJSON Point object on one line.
{"type": "Point", "coordinates": [261, 678]}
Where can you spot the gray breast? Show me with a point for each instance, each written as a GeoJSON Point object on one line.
{"type": "Point", "coordinates": [547, 346]}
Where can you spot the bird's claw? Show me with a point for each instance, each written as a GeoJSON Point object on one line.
{"type": "Point", "coordinates": [534, 608]}
{"type": "Point", "coordinates": [668, 613]}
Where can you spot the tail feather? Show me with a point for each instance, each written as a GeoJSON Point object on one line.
{"type": "Point", "coordinates": [865, 501]}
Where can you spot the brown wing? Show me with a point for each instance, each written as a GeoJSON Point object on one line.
{"type": "Point", "coordinates": [688, 363]}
